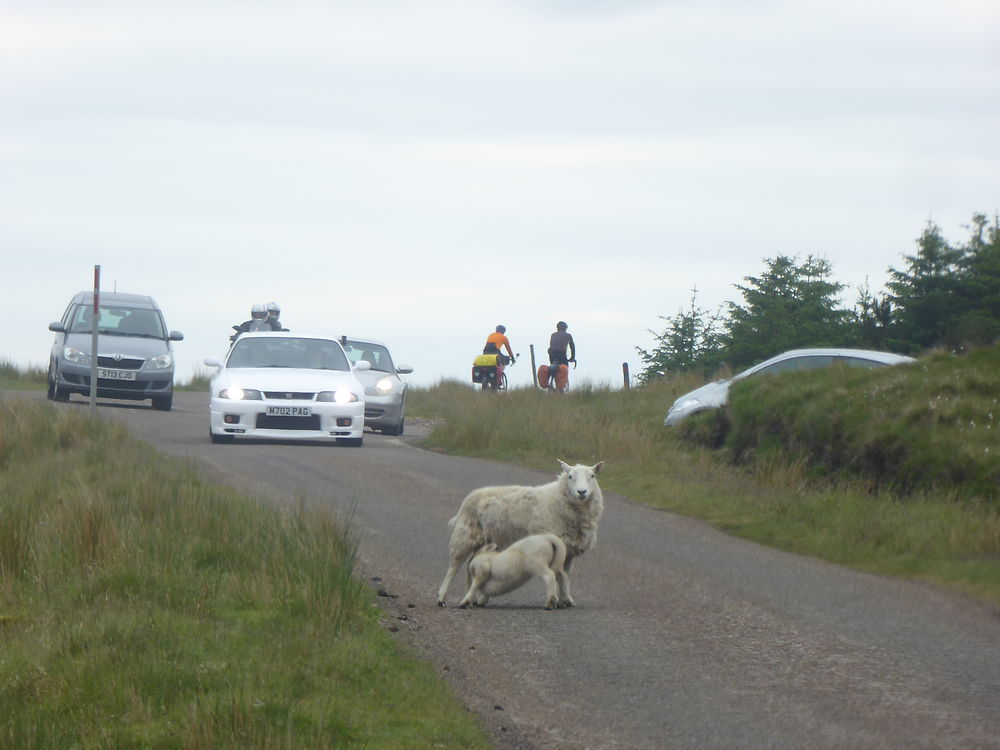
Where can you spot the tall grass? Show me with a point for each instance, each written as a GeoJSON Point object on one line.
{"type": "Point", "coordinates": [946, 533]}
{"type": "Point", "coordinates": [16, 376]}
{"type": "Point", "coordinates": [141, 606]}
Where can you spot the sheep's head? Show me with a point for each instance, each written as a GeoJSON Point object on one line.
{"type": "Point", "coordinates": [581, 481]}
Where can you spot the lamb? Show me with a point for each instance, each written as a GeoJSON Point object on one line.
{"type": "Point", "coordinates": [494, 573]}
{"type": "Point", "coordinates": [568, 507]}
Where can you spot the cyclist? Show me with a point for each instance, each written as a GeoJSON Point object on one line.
{"type": "Point", "coordinates": [499, 339]}
{"type": "Point", "coordinates": [559, 342]}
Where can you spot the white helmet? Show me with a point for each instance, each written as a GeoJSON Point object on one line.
{"type": "Point", "coordinates": [258, 311]}
{"type": "Point", "coordinates": [273, 311]}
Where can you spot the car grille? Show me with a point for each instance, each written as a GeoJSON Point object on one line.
{"type": "Point", "coordinates": [119, 385]}
{"type": "Point", "coordinates": [125, 363]}
{"type": "Point", "coordinates": [264, 422]}
{"type": "Point", "coordinates": [289, 396]}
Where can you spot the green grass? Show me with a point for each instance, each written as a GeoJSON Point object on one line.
{"type": "Point", "coordinates": [787, 492]}
{"type": "Point", "coordinates": [141, 606]}
{"type": "Point", "coordinates": [24, 378]}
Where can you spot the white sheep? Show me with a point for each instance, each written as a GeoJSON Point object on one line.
{"type": "Point", "coordinates": [569, 507]}
{"type": "Point", "coordinates": [494, 572]}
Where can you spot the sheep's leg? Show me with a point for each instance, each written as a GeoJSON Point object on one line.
{"type": "Point", "coordinates": [551, 589]}
{"type": "Point", "coordinates": [566, 600]}
{"type": "Point", "coordinates": [456, 563]}
{"type": "Point", "coordinates": [563, 582]}
{"type": "Point", "coordinates": [471, 596]}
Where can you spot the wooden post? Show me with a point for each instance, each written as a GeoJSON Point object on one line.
{"type": "Point", "coordinates": [625, 375]}
{"type": "Point", "coordinates": [93, 341]}
{"type": "Point", "coordinates": [534, 370]}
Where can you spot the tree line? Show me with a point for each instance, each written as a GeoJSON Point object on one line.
{"type": "Point", "coordinates": [945, 295]}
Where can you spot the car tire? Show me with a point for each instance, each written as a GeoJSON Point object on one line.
{"type": "Point", "coordinates": [351, 442]}
{"type": "Point", "coordinates": [221, 438]}
{"type": "Point", "coordinates": [163, 403]}
{"type": "Point", "coordinates": [50, 389]}
{"type": "Point", "coordinates": [60, 394]}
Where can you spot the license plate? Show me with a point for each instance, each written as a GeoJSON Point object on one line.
{"type": "Point", "coordinates": [289, 411]}
{"type": "Point", "coordinates": [106, 374]}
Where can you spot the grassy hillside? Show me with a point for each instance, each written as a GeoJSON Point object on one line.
{"type": "Point", "coordinates": [141, 606]}
{"type": "Point", "coordinates": [805, 476]}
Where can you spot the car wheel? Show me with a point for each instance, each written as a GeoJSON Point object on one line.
{"type": "Point", "coordinates": [221, 438]}
{"type": "Point", "coordinates": [50, 390]}
{"type": "Point", "coordinates": [60, 394]}
{"type": "Point", "coordinates": [163, 403]}
{"type": "Point", "coordinates": [351, 442]}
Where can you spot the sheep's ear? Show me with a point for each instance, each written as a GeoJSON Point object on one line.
{"type": "Point", "coordinates": [597, 467]}
{"type": "Point", "coordinates": [565, 466]}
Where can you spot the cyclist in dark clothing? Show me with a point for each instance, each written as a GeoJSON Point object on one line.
{"type": "Point", "coordinates": [559, 342]}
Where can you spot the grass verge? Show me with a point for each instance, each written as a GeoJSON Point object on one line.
{"type": "Point", "coordinates": [141, 606]}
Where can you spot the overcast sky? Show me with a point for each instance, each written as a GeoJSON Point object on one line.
{"type": "Point", "coordinates": [418, 172]}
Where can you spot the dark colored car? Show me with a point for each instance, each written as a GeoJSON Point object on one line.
{"type": "Point", "coordinates": [134, 358]}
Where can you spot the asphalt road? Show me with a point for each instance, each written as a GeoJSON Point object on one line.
{"type": "Point", "coordinates": [683, 637]}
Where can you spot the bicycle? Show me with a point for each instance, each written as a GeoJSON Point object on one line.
{"type": "Point", "coordinates": [489, 375]}
{"type": "Point", "coordinates": [548, 377]}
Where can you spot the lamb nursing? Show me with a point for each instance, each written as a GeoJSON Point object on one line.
{"type": "Point", "coordinates": [568, 507]}
{"type": "Point", "coordinates": [494, 573]}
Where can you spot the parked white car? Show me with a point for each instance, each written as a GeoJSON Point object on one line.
{"type": "Point", "coordinates": [286, 386]}
{"type": "Point", "coordinates": [716, 395]}
{"type": "Point", "coordinates": [385, 391]}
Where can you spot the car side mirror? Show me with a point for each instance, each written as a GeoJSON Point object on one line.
{"type": "Point", "coordinates": [176, 336]}
{"type": "Point", "coordinates": [213, 361]}
{"type": "Point", "coordinates": [57, 327]}
{"type": "Point", "coordinates": [362, 365]}
{"type": "Point", "coordinates": [404, 370]}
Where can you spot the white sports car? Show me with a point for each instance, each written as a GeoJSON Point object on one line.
{"type": "Point", "coordinates": [286, 386]}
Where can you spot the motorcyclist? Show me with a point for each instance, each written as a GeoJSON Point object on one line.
{"type": "Point", "coordinates": [273, 313]}
{"type": "Point", "coordinates": [258, 321]}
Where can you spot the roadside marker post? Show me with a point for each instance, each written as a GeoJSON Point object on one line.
{"type": "Point", "coordinates": [93, 342]}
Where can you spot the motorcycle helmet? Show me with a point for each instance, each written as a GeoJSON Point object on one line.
{"type": "Point", "coordinates": [273, 311]}
{"type": "Point", "coordinates": [501, 329]}
{"type": "Point", "coordinates": [258, 311]}
{"type": "Point", "coordinates": [561, 326]}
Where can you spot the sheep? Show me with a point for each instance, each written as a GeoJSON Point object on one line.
{"type": "Point", "coordinates": [494, 573]}
{"type": "Point", "coordinates": [568, 507]}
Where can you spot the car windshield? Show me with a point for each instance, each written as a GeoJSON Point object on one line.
{"type": "Point", "coordinates": [375, 354]}
{"type": "Point", "coordinates": [118, 321]}
{"type": "Point", "coordinates": [300, 353]}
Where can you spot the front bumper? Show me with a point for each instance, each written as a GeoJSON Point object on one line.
{"type": "Point", "coordinates": [383, 411]}
{"type": "Point", "coordinates": [74, 378]}
{"type": "Point", "coordinates": [327, 420]}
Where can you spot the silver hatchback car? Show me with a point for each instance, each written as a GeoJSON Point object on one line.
{"type": "Point", "coordinates": [385, 391]}
{"type": "Point", "coordinates": [716, 395]}
{"type": "Point", "coordinates": [134, 357]}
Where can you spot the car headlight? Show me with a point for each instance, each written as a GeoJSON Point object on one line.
{"type": "Point", "coordinates": [75, 356]}
{"type": "Point", "coordinates": [343, 396]}
{"type": "Point", "coordinates": [382, 388]}
{"type": "Point", "coordinates": [160, 362]}
{"type": "Point", "coordinates": [236, 393]}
